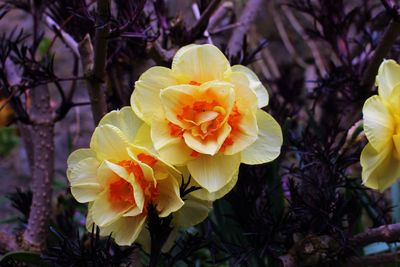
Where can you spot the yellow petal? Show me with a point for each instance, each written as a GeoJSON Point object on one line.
{"type": "Point", "coordinates": [378, 122]}
{"type": "Point", "coordinates": [161, 170]}
{"type": "Point", "coordinates": [214, 172]}
{"type": "Point", "coordinates": [87, 192]}
{"type": "Point", "coordinates": [209, 147]}
{"type": "Point", "coordinates": [246, 99]}
{"type": "Point", "coordinates": [106, 175]}
{"type": "Point", "coordinates": [205, 195]}
{"type": "Point", "coordinates": [127, 229]}
{"type": "Point", "coordinates": [388, 77]}
{"type": "Point", "coordinates": [124, 230]}
{"type": "Point", "coordinates": [267, 147]}
{"type": "Point", "coordinates": [138, 195]}
{"type": "Point", "coordinates": [109, 143]}
{"type": "Point", "coordinates": [168, 200]}
{"type": "Point", "coordinates": [125, 120]}
{"type": "Point", "coordinates": [145, 99]}
{"type": "Point", "coordinates": [254, 84]}
{"type": "Point", "coordinates": [82, 176]}
{"type": "Point", "coordinates": [118, 170]}
{"type": "Point", "coordinates": [104, 213]}
{"type": "Point", "coordinates": [171, 149]}
{"type": "Point", "coordinates": [143, 138]}
{"type": "Point", "coordinates": [193, 212]}
{"type": "Point", "coordinates": [245, 135]}
{"type": "Point", "coordinates": [199, 63]}
{"type": "Point", "coordinates": [379, 169]}
{"type": "Point", "coordinates": [174, 98]}
{"type": "Point", "coordinates": [79, 155]}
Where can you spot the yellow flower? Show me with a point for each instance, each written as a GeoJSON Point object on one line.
{"type": "Point", "coordinates": [120, 179]}
{"type": "Point", "coordinates": [206, 115]}
{"type": "Point", "coordinates": [380, 159]}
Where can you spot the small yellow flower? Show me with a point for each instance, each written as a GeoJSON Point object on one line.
{"type": "Point", "coordinates": [120, 179]}
{"type": "Point", "coordinates": [380, 159]}
{"type": "Point", "coordinates": [206, 115]}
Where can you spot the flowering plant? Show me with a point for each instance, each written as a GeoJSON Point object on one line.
{"type": "Point", "coordinates": [206, 115]}
{"type": "Point", "coordinates": [380, 158]}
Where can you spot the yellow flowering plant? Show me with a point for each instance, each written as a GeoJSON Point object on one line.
{"type": "Point", "coordinates": [380, 159]}
{"type": "Point", "coordinates": [119, 180]}
{"type": "Point", "coordinates": [206, 115]}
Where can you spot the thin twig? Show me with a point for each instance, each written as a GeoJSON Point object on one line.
{"type": "Point", "coordinates": [202, 23]}
{"type": "Point", "coordinates": [383, 48]}
{"type": "Point", "coordinates": [248, 15]}
{"type": "Point", "coordinates": [384, 233]}
{"type": "Point", "coordinates": [94, 63]}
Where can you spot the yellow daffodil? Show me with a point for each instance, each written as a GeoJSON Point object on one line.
{"type": "Point", "coordinates": [206, 115]}
{"type": "Point", "coordinates": [120, 179]}
{"type": "Point", "coordinates": [380, 159]}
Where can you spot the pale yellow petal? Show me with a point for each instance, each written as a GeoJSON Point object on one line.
{"type": "Point", "coordinates": [133, 212]}
{"type": "Point", "coordinates": [118, 170]}
{"type": "Point", "coordinates": [171, 149]}
{"type": "Point", "coordinates": [207, 196]}
{"type": "Point", "coordinates": [208, 147]}
{"type": "Point", "coordinates": [254, 84]}
{"type": "Point", "coordinates": [245, 135]}
{"type": "Point", "coordinates": [388, 77]}
{"type": "Point", "coordinates": [125, 120]}
{"type": "Point", "coordinates": [143, 138]}
{"type": "Point", "coordinates": [199, 63]}
{"type": "Point", "coordinates": [267, 147]}
{"type": "Point", "coordinates": [82, 176]}
{"type": "Point", "coordinates": [79, 155]}
{"type": "Point", "coordinates": [174, 98]}
{"type": "Point", "coordinates": [138, 195]}
{"type": "Point", "coordinates": [168, 200]}
{"type": "Point", "coordinates": [145, 99]}
{"type": "Point", "coordinates": [104, 213]}
{"type": "Point", "coordinates": [378, 122]}
{"type": "Point", "coordinates": [85, 171]}
{"type": "Point", "coordinates": [193, 212]}
{"type": "Point", "coordinates": [109, 143]}
{"type": "Point", "coordinates": [106, 175]}
{"type": "Point", "coordinates": [380, 169]}
{"type": "Point", "coordinates": [87, 192]}
{"type": "Point", "coordinates": [214, 172]}
{"type": "Point", "coordinates": [127, 229]}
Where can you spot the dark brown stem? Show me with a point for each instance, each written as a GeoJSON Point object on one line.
{"type": "Point", "coordinates": [201, 24]}
{"type": "Point", "coordinates": [383, 48]}
{"type": "Point", "coordinates": [42, 136]}
{"type": "Point", "coordinates": [94, 63]}
{"type": "Point", "coordinates": [248, 15]}
{"type": "Point", "coordinates": [384, 233]}
{"type": "Point", "coordinates": [374, 259]}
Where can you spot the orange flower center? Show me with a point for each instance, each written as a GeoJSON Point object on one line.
{"type": "Point", "coordinates": [121, 191]}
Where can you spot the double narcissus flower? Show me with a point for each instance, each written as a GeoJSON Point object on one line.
{"type": "Point", "coordinates": [120, 179]}
{"type": "Point", "coordinates": [206, 115]}
{"type": "Point", "coordinates": [380, 159]}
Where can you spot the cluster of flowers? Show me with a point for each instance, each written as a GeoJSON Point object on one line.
{"type": "Point", "coordinates": [201, 118]}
